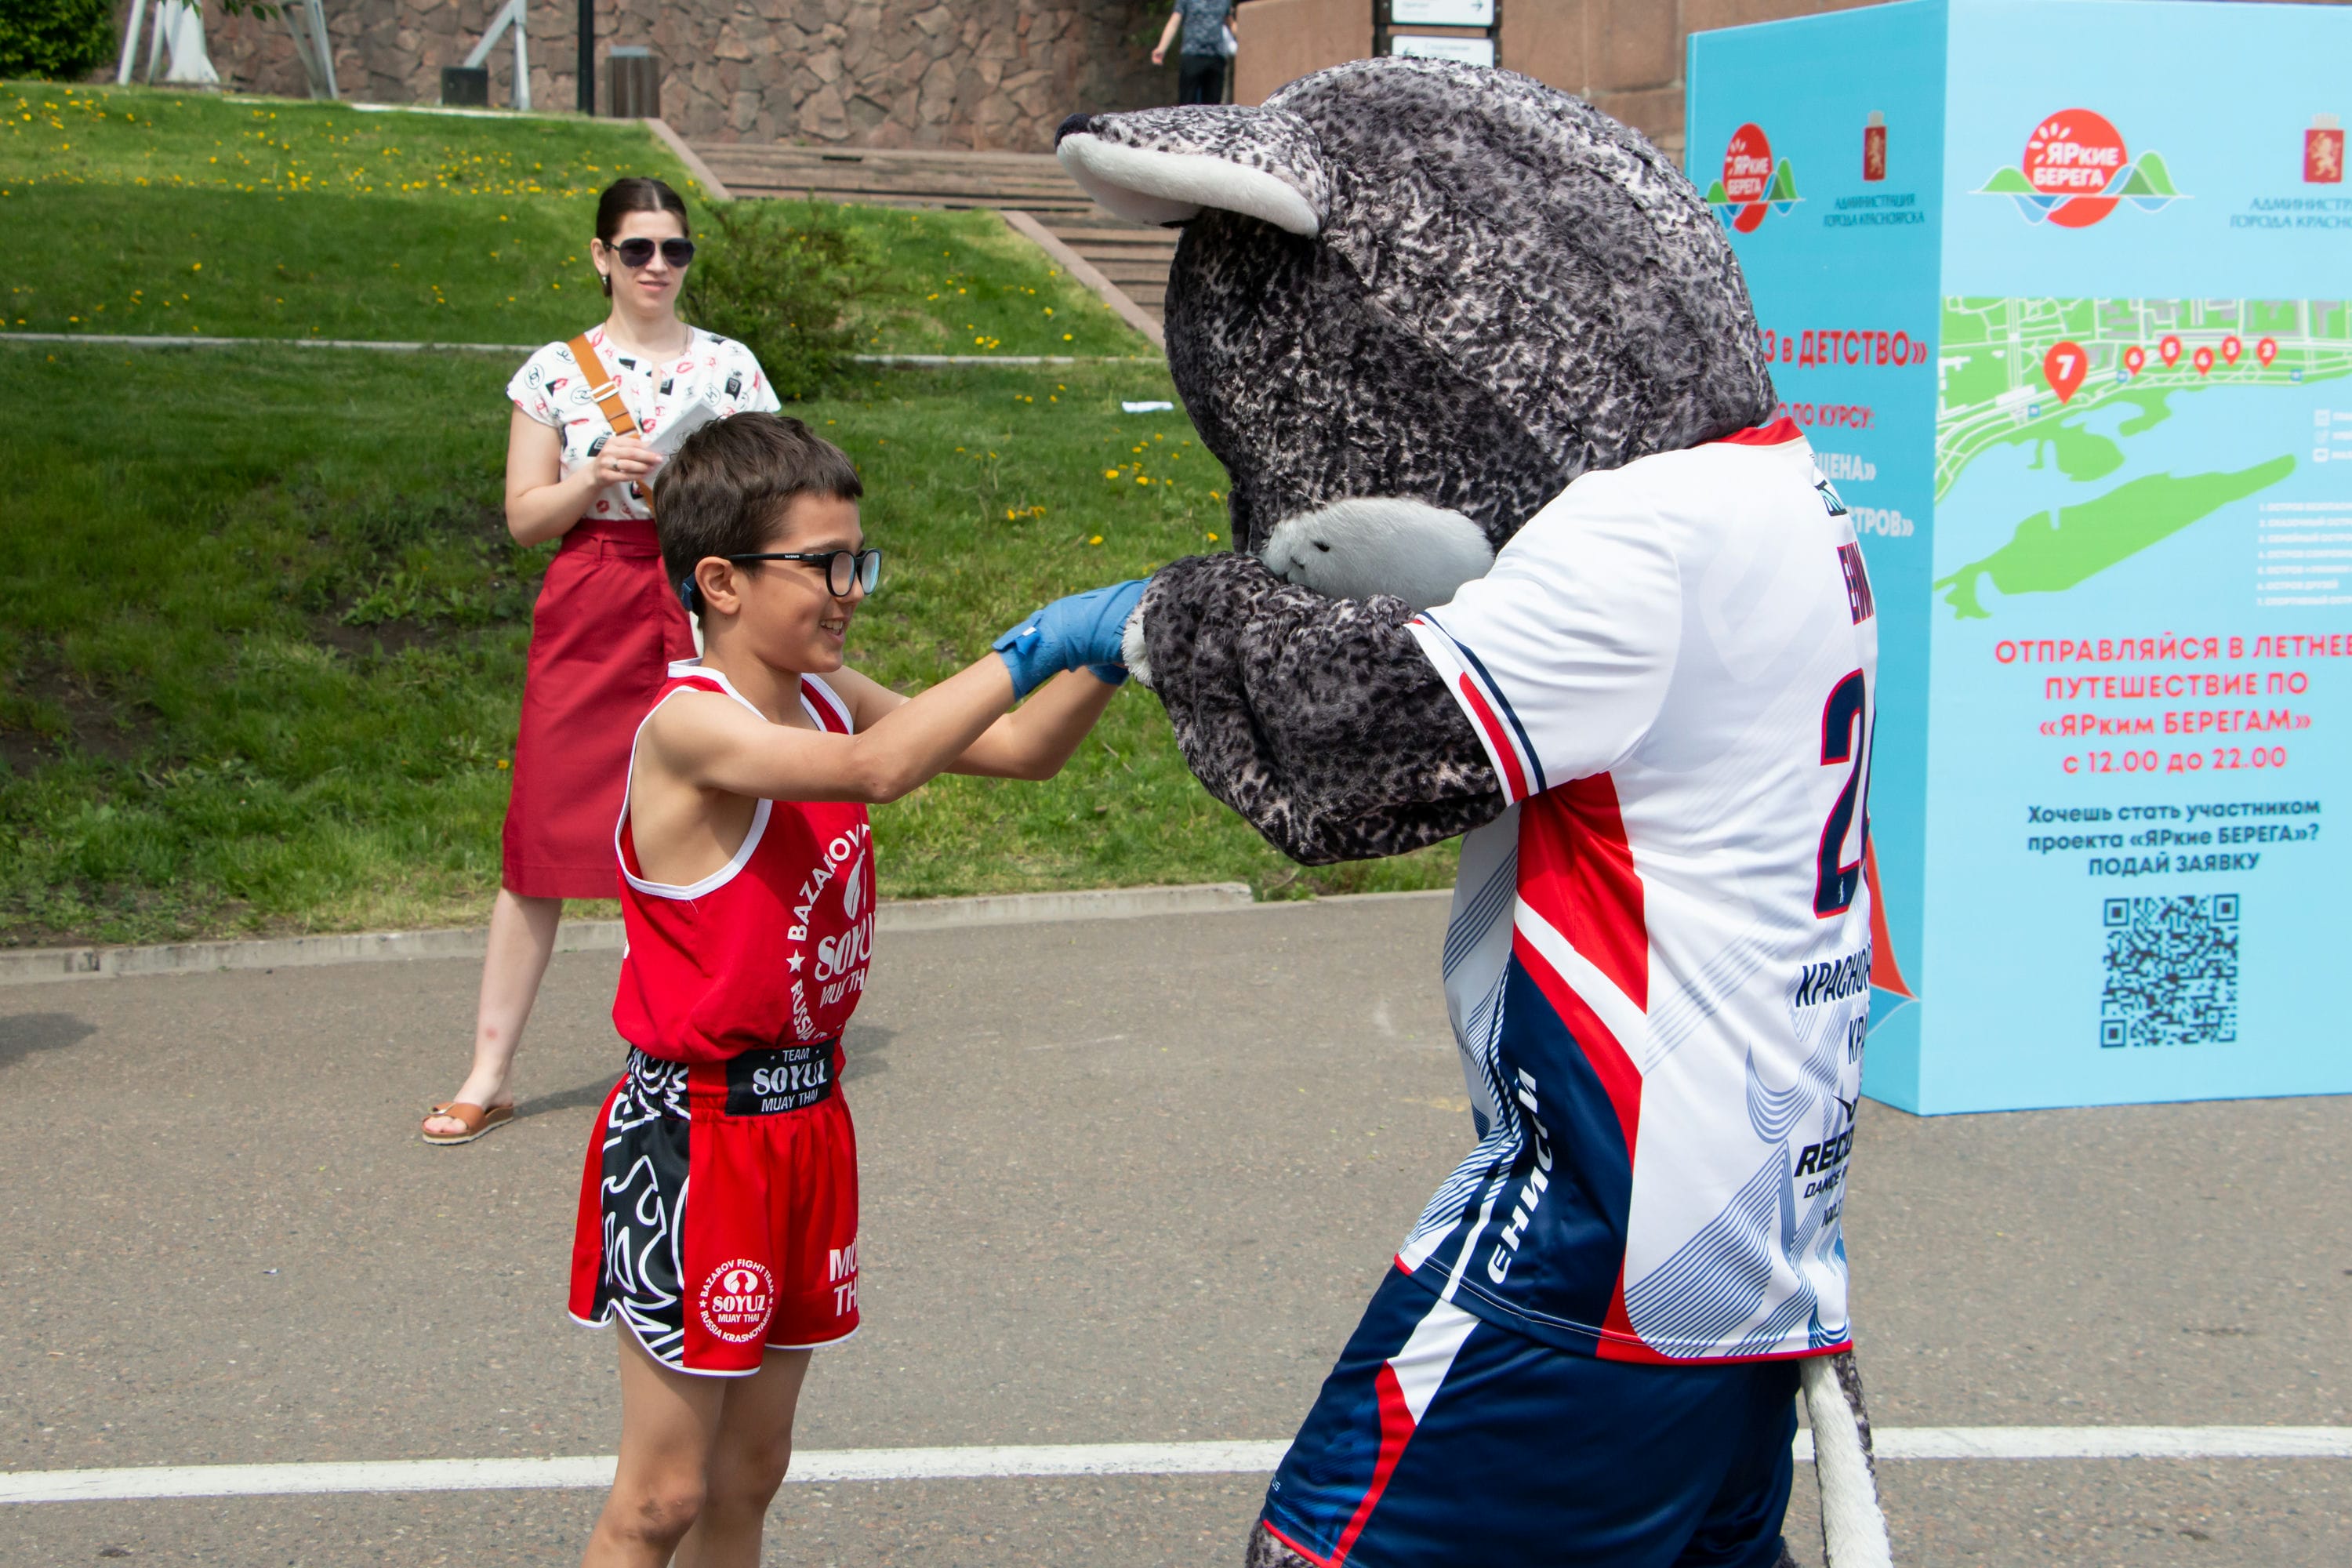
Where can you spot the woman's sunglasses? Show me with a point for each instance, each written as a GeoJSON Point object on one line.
{"type": "Point", "coordinates": [638, 251]}
{"type": "Point", "coordinates": [843, 569]}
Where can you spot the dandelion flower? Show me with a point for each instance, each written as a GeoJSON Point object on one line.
{"type": "Point", "coordinates": [1096, 539]}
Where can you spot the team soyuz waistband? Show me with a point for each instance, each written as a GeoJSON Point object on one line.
{"type": "Point", "coordinates": [787, 1077]}
{"type": "Point", "coordinates": [768, 1082]}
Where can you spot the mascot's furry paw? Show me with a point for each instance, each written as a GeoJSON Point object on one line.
{"type": "Point", "coordinates": [1265, 1552]}
{"type": "Point", "coordinates": [1317, 719]}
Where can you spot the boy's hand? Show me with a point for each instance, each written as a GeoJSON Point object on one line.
{"type": "Point", "coordinates": [1082, 631]}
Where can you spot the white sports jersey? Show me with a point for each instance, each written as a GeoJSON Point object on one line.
{"type": "Point", "coordinates": [1659, 960]}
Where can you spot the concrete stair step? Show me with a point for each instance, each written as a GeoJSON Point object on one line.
{"type": "Point", "coordinates": [1133, 259]}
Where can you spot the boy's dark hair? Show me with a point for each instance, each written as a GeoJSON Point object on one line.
{"type": "Point", "coordinates": [726, 489]}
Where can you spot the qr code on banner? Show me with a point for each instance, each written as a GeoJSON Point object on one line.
{"type": "Point", "coordinates": [2172, 972]}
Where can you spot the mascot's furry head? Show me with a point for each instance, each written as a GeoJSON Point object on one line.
{"type": "Point", "coordinates": [1414, 299]}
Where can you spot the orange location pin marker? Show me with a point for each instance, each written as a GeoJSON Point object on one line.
{"type": "Point", "coordinates": [2135, 357]}
{"type": "Point", "coordinates": [2171, 348]}
{"type": "Point", "coordinates": [2203, 361]}
{"type": "Point", "coordinates": [2230, 349]}
{"type": "Point", "coordinates": [2266, 351]}
{"type": "Point", "coordinates": [2064, 366]}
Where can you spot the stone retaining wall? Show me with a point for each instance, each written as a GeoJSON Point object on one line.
{"type": "Point", "coordinates": [997, 74]}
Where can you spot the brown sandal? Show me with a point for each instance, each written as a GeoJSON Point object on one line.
{"type": "Point", "coordinates": [475, 1120]}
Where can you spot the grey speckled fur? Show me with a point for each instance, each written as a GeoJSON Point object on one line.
{"type": "Point", "coordinates": [1351, 773]}
{"type": "Point", "coordinates": [1509, 289]}
{"type": "Point", "coordinates": [1264, 139]}
{"type": "Point", "coordinates": [1265, 1552]}
{"type": "Point", "coordinates": [1848, 1376]}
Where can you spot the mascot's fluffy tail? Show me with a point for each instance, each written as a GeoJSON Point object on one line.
{"type": "Point", "coordinates": [1853, 1531]}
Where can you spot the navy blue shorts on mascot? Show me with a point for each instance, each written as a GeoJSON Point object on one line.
{"type": "Point", "coordinates": [1683, 1464]}
{"type": "Point", "coordinates": [1525, 555]}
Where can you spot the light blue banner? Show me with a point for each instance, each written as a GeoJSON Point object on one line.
{"type": "Point", "coordinates": [2107, 511]}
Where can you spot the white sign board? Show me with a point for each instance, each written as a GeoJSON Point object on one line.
{"type": "Point", "coordinates": [1469, 51]}
{"type": "Point", "coordinates": [1442, 13]}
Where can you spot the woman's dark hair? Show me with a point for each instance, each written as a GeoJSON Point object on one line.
{"type": "Point", "coordinates": [636, 194]}
{"type": "Point", "coordinates": [726, 491]}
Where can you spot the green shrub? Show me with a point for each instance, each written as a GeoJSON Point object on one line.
{"type": "Point", "coordinates": [64, 39]}
{"type": "Point", "coordinates": [786, 279]}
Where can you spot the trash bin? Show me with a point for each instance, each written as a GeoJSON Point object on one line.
{"type": "Point", "coordinates": [466, 87]}
{"type": "Point", "coordinates": [631, 84]}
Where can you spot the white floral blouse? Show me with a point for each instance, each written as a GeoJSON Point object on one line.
{"type": "Point", "coordinates": [714, 370]}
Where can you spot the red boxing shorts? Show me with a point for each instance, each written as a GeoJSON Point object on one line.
{"type": "Point", "coordinates": [719, 1209]}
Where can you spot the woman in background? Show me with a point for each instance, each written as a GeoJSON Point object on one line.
{"type": "Point", "coordinates": [606, 625]}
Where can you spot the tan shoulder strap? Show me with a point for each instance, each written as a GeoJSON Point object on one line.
{"type": "Point", "coordinates": [602, 387]}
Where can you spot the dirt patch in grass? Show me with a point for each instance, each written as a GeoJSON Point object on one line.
{"type": "Point", "coordinates": [78, 718]}
{"type": "Point", "coordinates": [377, 641]}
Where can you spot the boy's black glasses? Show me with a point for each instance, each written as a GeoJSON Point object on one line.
{"type": "Point", "coordinates": [636, 252]}
{"type": "Point", "coordinates": [843, 569]}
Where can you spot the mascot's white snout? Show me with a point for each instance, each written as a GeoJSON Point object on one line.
{"type": "Point", "coordinates": [1357, 548]}
{"type": "Point", "coordinates": [1378, 545]}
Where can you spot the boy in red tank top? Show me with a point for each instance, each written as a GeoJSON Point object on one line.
{"type": "Point", "coordinates": [718, 1205]}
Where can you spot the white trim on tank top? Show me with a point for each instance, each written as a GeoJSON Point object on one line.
{"type": "Point", "coordinates": [679, 669]}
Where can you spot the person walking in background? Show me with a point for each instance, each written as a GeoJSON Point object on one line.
{"type": "Point", "coordinates": [580, 454]}
{"type": "Point", "coordinates": [1207, 26]}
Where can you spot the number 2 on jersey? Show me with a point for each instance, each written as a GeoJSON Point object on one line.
{"type": "Point", "coordinates": [1845, 739]}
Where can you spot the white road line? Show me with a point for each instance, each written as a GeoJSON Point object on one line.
{"type": "Point", "coordinates": [595, 1470]}
{"type": "Point", "coordinates": [2105, 1443]}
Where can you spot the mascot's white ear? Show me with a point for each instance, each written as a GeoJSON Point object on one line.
{"type": "Point", "coordinates": [1164, 166]}
{"type": "Point", "coordinates": [1378, 545]}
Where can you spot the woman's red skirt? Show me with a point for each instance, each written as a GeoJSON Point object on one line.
{"type": "Point", "coordinates": [603, 634]}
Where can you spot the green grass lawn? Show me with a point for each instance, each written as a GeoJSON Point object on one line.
{"type": "Point", "coordinates": [261, 626]}
{"type": "Point", "coordinates": [261, 635]}
{"type": "Point", "coordinates": [176, 214]}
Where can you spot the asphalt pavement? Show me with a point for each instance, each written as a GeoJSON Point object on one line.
{"type": "Point", "coordinates": [1124, 1181]}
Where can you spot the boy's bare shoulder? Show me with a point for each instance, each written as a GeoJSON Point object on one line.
{"type": "Point", "coordinates": [690, 720]}
{"type": "Point", "coordinates": [867, 698]}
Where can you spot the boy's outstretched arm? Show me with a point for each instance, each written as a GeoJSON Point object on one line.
{"type": "Point", "coordinates": [715, 742]}
{"type": "Point", "coordinates": [721, 745]}
{"type": "Point", "coordinates": [1031, 742]}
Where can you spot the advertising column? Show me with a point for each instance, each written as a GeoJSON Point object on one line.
{"type": "Point", "coordinates": [2108, 518]}
{"type": "Point", "coordinates": [2144, 525]}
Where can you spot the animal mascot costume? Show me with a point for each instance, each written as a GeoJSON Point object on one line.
{"type": "Point", "coordinates": [1524, 556]}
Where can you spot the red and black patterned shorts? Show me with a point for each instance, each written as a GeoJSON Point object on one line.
{"type": "Point", "coordinates": [719, 1209]}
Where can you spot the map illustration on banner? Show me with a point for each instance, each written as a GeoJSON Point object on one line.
{"type": "Point", "coordinates": [2074, 342]}
{"type": "Point", "coordinates": [2104, 401]}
